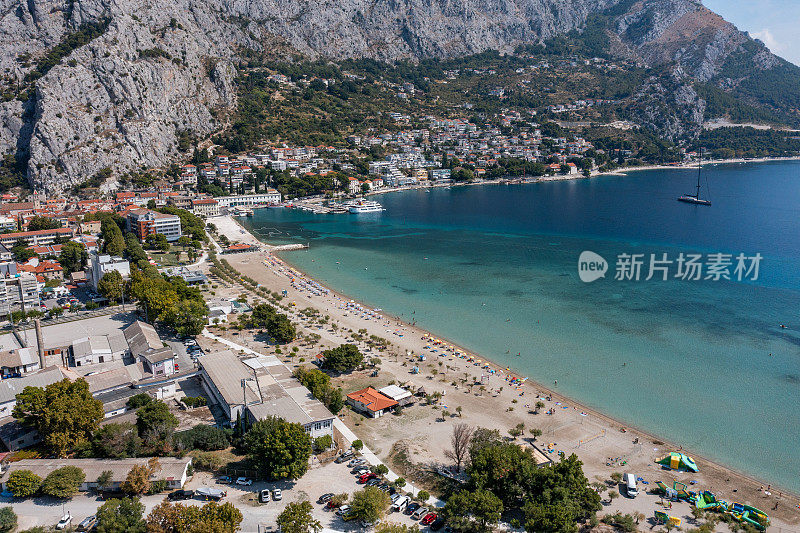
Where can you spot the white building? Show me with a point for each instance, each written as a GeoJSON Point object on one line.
{"type": "Point", "coordinates": [271, 196]}
{"type": "Point", "coordinates": [259, 388]}
{"type": "Point", "coordinates": [98, 349]}
{"type": "Point", "coordinates": [100, 265]}
{"type": "Point", "coordinates": [205, 207]}
{"type": "Point", "coordinates": [17, 289]}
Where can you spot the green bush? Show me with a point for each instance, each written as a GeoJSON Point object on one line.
{"type": "Point", "coordinates": [195, 401]}
{"type": "Point", "coordinates": [63, 482]}
{"type": "Point", "coordinates": [8, 520]}
{"type": "Point", "coordinates": [208, 461]}
{"type": "Point", "coordinates": [323, 443]}
{"type": "Point", "coordinates": [206, 438]}
{"type": "Point", "coordinates": [158, 486]}
{"type": "Point", "coordinates": [23, 483]}
{"type": "Point", "coordinates": [139, 400]}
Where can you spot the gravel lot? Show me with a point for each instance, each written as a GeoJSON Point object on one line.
{"type": "Point", "coordinates": [319, 480]}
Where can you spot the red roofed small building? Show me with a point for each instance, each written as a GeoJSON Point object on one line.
{"type": "Point", "coordinates": [45, 270]}
{"type": "Point", "coordinates": [370, 402]}
{"type": "Point", "coordinates": [239, 248]}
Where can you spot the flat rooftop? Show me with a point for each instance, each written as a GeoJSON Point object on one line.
{"type": "Point", "coordinates": [64, 334]}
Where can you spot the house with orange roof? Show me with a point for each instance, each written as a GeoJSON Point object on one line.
{"type": "Point", "coordinates": [370, 402]}
{"type": "Point", "coordinates": [44, 270]}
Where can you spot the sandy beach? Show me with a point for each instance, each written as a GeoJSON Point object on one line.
{"type": "Point", "coordinates": [500, 399]}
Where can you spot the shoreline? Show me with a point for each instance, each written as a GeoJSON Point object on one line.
{"type": "Point", "coordinates": [530, 384]}
{"type": "Point", "coordinates": [543, 390]}
{"type": "Point", "coordinates": [569, 177]}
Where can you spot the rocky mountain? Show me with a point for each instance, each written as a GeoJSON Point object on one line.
{"type": "Point", "coordinates": [94, 84]}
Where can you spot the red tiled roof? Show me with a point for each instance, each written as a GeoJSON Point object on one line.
{"type": "Point", "coordinates": [23, 234]}
{"type": "Point", "coordinates": [372, 399]}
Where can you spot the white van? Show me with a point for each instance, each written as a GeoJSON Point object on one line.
{"type": "Point", "coordinates": [400, 504]}
{"type": "Point", "coordinates": [629, 480]}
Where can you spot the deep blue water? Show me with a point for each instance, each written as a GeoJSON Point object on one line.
{"type": "Point", "coordinates": [494, 268]}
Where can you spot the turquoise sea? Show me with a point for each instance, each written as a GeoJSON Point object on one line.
{"type": "Point", "coordinates": [495, 268]}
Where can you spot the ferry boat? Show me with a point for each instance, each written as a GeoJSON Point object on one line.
{"type": "Point", "coordinates": [365, 206]}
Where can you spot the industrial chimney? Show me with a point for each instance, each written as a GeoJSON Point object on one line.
{"type": "Point", "coordinates": [39, 343]}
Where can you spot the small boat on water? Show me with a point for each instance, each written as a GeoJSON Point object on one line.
{"type": "Point", "coordinates": [695, 198]}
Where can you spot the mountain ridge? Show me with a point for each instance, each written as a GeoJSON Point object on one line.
{"type": "Point", "coordinates": [158, 72]}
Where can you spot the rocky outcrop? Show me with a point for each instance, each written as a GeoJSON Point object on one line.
{"type": "Point", "coordinates": [161, 69]}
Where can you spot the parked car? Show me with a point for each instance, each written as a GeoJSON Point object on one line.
{"type": "Point", "coordinates": [349, 515]}
{"type": "Point", "coordinates": [181, 495]}
{"type": "Point", "coordinates": [428, 519]}
{"type": "Point", "coordinates": [224, 479]}
{"type": "Point", "coordinates": [412, 507]}
{"type": "Point", "coordinates": [373, 482]}
{"type": "Point", "coordinates": [190, 342]}
{"type": "Point", "coordinates": [361, 470]}
{"type": "Point", "coordinates": [419, 513]}
{"type": "Point", "coordinates": [399, 504]}
{"type": "Point", "coordinates": [210, 493]}
{"type": "Point", "coordinates": [384, 487]}
{"type": "Point", "coordinates": [65, 522]}
{"type": "Point", "coordinates": [342, 510]}
{"type": "Point", "coordinates": [244, 481]}
{"type": "Point", "coordinates": [263, 496]}
{"type": "Point", "coordinates": [363, 478]}
{"type": "Point", "coordinates": [277, 495]}
{"type": "Point", "coordinates": [356, 462]}
{"type": "Point", "coordinates": [437, 524]}
{"type": "Point", "coordinates": [325, 498]}
{"type": "Point", "coordinates": [344, 457]}
{"type": "Point", "coordinates": [88, 523]}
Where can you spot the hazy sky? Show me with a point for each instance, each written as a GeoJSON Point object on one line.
{"type": "Point", "coordinates": [775, 22]}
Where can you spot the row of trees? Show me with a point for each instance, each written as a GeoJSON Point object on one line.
{"type": "Point", "coordinates": [127, 514]}
{"type": "Point", "coordinates": [62, 482]}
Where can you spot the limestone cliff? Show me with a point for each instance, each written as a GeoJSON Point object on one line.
{"type": "Point", "coordinates": [159, 70]}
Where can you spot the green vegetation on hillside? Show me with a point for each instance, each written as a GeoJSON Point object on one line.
{"type": "Point", "coordinates": [725, 143]}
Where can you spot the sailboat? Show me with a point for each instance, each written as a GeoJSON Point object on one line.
{"type": "Point", "coordinates": [695, 198]}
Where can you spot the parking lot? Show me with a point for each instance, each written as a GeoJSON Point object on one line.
{"type": "Point", "coordinates": [335, 478]}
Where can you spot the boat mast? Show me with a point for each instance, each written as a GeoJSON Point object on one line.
{"type": "Point", "coordinates": [699, 169]}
